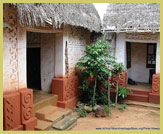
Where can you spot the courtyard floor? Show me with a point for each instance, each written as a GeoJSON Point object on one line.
{"type": "Point", "coordinates": [133, 116]}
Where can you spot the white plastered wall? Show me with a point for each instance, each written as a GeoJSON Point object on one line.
{"type": "Point", "coordinates": [158, 55]}
{"type": "Point", "coordinates": [120, 52]}
{"type": "Point", "coordinates": [47, 60]}
{"type": "Point", "coordinates": [122, 38]}
{"type": "Point", "coordinates": [76, 38]}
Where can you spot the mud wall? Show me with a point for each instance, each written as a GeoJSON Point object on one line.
{"type": "Point", "coordinates": [76, 39]}
{"type": "Point", "coordinates": [14, 51]}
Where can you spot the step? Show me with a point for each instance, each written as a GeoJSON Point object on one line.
{"type": "Point", "coordinates": [58, 115]}
{"type": "Point", "coordinates": [65, 123]}
{"type": "Point", "coordinates": [45, 112]}
{"type": "Point", "coordinates": [42, 99]}
{"type": "Point", "coordinates": [43, 125]}
{"type": "Point", "coordinates": [137, 97]}
{"type": "Point", "coordinates": [146, 104]}
{"type": "Point", "coordinates": [141, 92]}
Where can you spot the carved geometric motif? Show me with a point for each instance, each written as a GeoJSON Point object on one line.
{"type": "Point", "coordinates": [26, 104]}
{"type": "Point", "coordinates": [77, 39]}
{"type": "Point", "coordinates": [142, 36]}
{"type": "Point", "coordinates": [71, 87]}
{"type": "Point", "coordinates": [11, 31]}
{"type": "Point", "coordinates": [11, 107]}
{"type": "Point", "coordinates": [122, 81]}
{"type": "Point", "coordinates": [156, 84]}
{"type": "Point", "coordinates": [9, 114]}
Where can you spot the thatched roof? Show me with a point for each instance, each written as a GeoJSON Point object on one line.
{"type": "Point", "coordinates": [75, 14]}
{"type": "Point", "coordinates": [122, 17]}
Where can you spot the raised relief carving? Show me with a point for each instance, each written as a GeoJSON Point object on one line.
{"type": "Point", "coordinates": [156, 84]}
{"type": "Point", "coordinates": [142, 36]}
{"type": "Point", "coordinates": [26, 104]}
{"type": "Point", "coordinates": [10, 19]}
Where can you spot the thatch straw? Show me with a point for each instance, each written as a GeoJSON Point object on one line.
{"type": "Point", "coordinates": [132, 17]}
{"type": "Point", "coordinates": [75, 14]}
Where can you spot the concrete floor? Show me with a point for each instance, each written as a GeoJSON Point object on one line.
{"type": "Point", "coordinates": [140, 86]}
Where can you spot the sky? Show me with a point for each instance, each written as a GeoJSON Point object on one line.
{"type": "Point", "coordinates": [101, 8]}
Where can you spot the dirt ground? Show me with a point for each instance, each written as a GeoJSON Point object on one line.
{"type": "Point", "coordinates": [133, 116]}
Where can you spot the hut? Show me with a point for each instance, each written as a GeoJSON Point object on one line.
{"type": "Point", "coordinates": [134, 30]}
{"type": "Point", "coordinates": [41, 44]}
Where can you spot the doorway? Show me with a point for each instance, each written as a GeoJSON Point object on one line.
{"type": "Point", "coordinates": [33, 69]}
{"type": "Point", "coordinates": [33, 60]}
{"type": "Point", "coordinates": [40, 60]}
{"type": "Point", "coordinates": [141, 64]}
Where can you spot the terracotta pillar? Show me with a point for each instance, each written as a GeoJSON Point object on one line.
{"type": "Point", "coordinates": [11, 111]}
{"type": "Point", "coordinates": [18, 108]}
{"type": "Point", "coordinates": [67, 91]}
{"type": "Point", "coordinates": [154, 96]}
{"type": "Point", "coordinates": [26, 106]}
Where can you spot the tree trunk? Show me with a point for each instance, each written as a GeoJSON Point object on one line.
{"type": "Point", "coordinates": [116, 98]}
{"type": "Point", "coordinates": [108, 92]}
{"type": "Point", "coordinates": [94, 91]}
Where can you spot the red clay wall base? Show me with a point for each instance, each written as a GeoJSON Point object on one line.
{"type": "Point", "coordinates": [18, 108]}
{"type": "Point", "coordinates": [11, 111]}
{"type": "Point", "coordinates": [67, 91]}
{"type": "Point", "coordinates": [30, 124]}
{"type": "Point", "coordinates": [19, 128]}
{"type": "Point", "coordinates": [154, 96]}
{"type": "Point", "coordinates": [123, 79]}
{"type": "Point", "coordinates": [140, 95]}
{"type": "Point", "coordinates": [156, 84]}
{"type": "Point", "coordinates": [68, 104]}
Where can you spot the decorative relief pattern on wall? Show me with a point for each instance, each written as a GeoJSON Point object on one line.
{"type": "Point", "coordinates": [122, 82]}
{"type": "Point", "coordinates": [66, 61]}
{"type": "Point", "coordinates": [10, 18]}
{"type": "Point", "coordinates": [77, 39]}
{"type": "Point", "coordinates": [26, 104]}
{"type": "Point", "coordinates": [67, 91]}
{"type": "Point", "coordinates": [11, 115]}
{"type": "Point", "coordinates": [71, 87]}
{"type": "Point", "coordinates": [142, 36]}
{"type": "Point", "coordinates": [17, 107]}
{"type": "Point", "coordinates": [156, 84]}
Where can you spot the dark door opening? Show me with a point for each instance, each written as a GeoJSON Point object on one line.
{"type": "Point", "coordinates": [33, 68]}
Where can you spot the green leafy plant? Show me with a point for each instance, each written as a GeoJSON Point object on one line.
{"type": "Point", "coordinates": [118, 69]}
{"type": "Point", "coordinates": [82, 112]}
{"type": "Point", "coordinates": [122, 93]}
{"type": "Point", "coordinates": [122, 107]}
{"type": "Point", "coordinates": [95, 64]}
{"type": "Point", "coordinates": [107, 109]}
